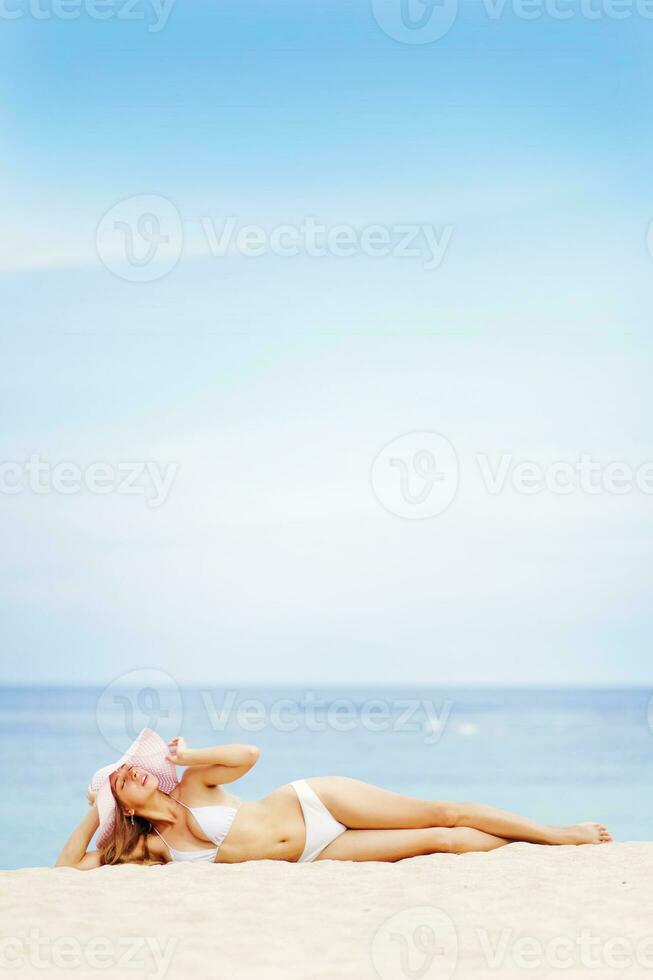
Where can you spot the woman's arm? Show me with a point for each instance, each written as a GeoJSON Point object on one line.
{"type": "Point", "coordinates": [74, 853]}
{"type": "Point", "coordinates": [216, 765]}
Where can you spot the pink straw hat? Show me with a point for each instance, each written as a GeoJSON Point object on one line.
{"type": "Point", "coordinates": [148, 752]}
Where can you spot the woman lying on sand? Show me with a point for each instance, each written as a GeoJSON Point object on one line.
{"type": "Point", "coordinates": [145, 815]}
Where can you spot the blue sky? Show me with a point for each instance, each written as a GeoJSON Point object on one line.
{"type": "Point", "coordinates": [272, 382]}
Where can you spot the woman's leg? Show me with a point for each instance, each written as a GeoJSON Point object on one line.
{"type": "Point", "coordinates": [393, 845]}
{"type": "Point", "coordinates": [362, 806]}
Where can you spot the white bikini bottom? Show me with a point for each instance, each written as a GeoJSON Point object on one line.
{"type": "Point", "coordinates": [321, 827]}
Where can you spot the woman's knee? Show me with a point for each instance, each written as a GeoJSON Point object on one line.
{"type": "Point", "coordinates": [447, 814]}
{"type": "Point", "coordinates": [440, 840]}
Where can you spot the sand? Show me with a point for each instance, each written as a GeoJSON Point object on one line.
{"type": "Point", "coordinates": [522, 911]}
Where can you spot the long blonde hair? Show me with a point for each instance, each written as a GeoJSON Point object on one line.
{"type": "Point", "coordinates": [129, 841]}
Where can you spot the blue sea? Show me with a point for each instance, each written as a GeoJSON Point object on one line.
{"type": "Point", "coordinates": [556, 755]}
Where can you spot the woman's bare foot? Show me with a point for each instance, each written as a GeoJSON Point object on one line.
{"type": "Point", "coordinates": [585, 833]}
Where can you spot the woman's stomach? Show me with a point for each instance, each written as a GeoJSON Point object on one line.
{"type": "Point", "coordinates": [270, 829]}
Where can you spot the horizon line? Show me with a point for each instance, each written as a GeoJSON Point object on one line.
{"type": "Point", "coordinates": [348, 685]}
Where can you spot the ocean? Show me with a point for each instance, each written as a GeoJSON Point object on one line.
{"type": "Point", "coordinates": [559, 756]}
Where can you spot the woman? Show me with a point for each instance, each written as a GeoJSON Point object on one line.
{"type": "Point", "coordinates": [145, 815]}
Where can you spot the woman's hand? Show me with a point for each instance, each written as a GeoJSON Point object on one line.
{"type": "Point", "coordinates": [179, 752]}
{"type": "Point", "coordinates": [91, 796]}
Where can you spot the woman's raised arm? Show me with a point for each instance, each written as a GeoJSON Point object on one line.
{"type": "Point", "coordinates": [75, 852]}
{"type": "Point", "coordinates": [219, 764]}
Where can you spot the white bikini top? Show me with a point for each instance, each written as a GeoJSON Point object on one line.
{"type": "Point", "coordinates": [215, 822]}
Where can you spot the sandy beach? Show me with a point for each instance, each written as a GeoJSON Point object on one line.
{"type": "Point", "coordinates": [520, 911]}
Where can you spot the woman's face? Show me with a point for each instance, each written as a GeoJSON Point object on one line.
{"type": "Point", "coordinates": [133, 787]}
